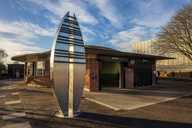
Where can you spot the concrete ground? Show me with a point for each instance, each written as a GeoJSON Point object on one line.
{"type": "Point", "coordinates": [30, 107]}
{"type": "Point", "coordinates": [130, 99]}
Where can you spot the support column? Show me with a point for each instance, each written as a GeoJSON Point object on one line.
{"type": "Point", "coordinates": [92, 74]}
{"type": "Point", "coordinates": [121, 76]}
{"type": "Point", "coordinates": [153, 73]}
{"type": "Point", "coordinates": [25, 71]}
{"type": "Point", "coordinates": [129, 77]}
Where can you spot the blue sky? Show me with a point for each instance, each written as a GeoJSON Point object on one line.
{"type": "Point", "coordinates": [29, 25]}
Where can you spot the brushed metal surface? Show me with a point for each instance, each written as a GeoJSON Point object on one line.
{"type": "Point", "coordinates": [79, 70]}
{"type": "Point", "coordinates": [61, 85]}
{"type": "Point", "coordinates": [67, 66]}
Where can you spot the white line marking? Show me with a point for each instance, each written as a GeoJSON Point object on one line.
{"type": "Point", "coordinates": [2, 96]}
{"type": "Point", "coordinates": [164, 100]}
{"type": "Point", "coordinates": [149, 104]}
{"type": "Point", "coordinates": [13, 115]}
{"type": "Point", "coordinates": [103, 104]}
{"type": "Point", "coordinates": [12, 102]}
{"type": "Point", "coordinates": [15, 93]}
{"type": "Point", "coordinates": [136, 106]}
{"type": "Point", "coordinates": [8, 87]}
{"type": "Point", "coordinates": [18, 125]}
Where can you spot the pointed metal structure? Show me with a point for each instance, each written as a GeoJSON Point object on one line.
{"type": "Point", "coordinates": [68, 65]}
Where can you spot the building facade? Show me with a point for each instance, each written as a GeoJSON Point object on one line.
{"type": "Point", "coordinates": [180, 67]}
{"type": "Point", "coordinates": [105, 68]}
{"type": "Point", "coordinates": [15, 71]}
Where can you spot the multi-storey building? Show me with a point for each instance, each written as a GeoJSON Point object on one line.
{"type": "Point", "coordinates": [181, 66]}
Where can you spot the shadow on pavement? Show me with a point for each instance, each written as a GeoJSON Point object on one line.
{"type": "Point", "coordinates": [88, 119]}
{"type": "Point", "coordinates": [133, 122]}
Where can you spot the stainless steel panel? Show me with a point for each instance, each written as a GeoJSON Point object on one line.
{"type": "Point", "coordinates": [62, 59]}
{"type": "Point", "coordinates": [61, 77]}
{"type": "Point", "coordinates": [79, 71]}
{"type": "Point", "coordinates": [62, 46]}
{"type": "Point", "coordinates": [66, 71]}
{"type": "Point", "coordinates": [67, 35]}
{"type": "Point", "coordinates": [79, 49]}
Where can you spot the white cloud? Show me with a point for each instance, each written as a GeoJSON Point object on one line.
{"type": "Point", "coordinates": [88, 34]}
{"type": "Point", "coordinates": [17, 48]}
{"type": "Point", "coordinates": [108, 10]}
{"type": "Point", "coordinates": [24, 29]}
{"type": "Point", "coordinates": [61, 7]}
{"type": "Point", "coordinates": [151, 16]}
{"type": "Point", "coordinates": [153, 13]}
{"type": "Point", "coordinates": [124, 39]}
{"type": "Point", "coordinates": [18, 37]}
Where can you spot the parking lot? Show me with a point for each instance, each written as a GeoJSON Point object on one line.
{"type": "Point", "coordinates": [130, 99]}
{"type": "Point", "coordinates": [30, 107]}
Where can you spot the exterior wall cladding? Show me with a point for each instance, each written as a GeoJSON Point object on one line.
{"type": "Point", "coordinates": [133, 70]}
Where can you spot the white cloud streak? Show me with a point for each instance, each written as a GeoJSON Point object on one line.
{"type": "Point", "coordinates": [124, 39]}
{"type": "Point", "coordinates": [109, 11]}
{"type": "Point", "coordinates": [88, 34]}
{"type": "Point", "coordinates": [20, 36]}
{"type": "Point", "coordinates": [24, 29]}
{"type": "Point", "coordinates": [151, 16]}
{"type": "Point", "coordinates": [17, 48]}
{"type": "Point", "coordinates": [153, 13]}
{"type": "Point", "coordinates": [62, 6]}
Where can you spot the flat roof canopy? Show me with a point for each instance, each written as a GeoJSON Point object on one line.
{"type": "Point", "coordinates": [31, 56]}
{"type": "Point", "coordinates": [90, 49]}
{"type": "Point", "coordinates": [116, 53]}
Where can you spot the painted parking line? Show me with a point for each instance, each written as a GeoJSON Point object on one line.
{"type": "Point", "coordinates": [2, 96]}
{"type": "Point", "coordinates": [15, 93]}
{"type": "Point", "coordinates": [162, 101]}
{"type": "Point", "coordinates": [130, 107]}
{"type": "Point", "coordinates": [133, 107]}
{"type": "Point", "coordinates": [8, 87]}
{"type": "Point", "coordinates": [103, 104]}
{"type": "Point", "coordinates": [18, 125]}
{"type": "Point", "coordinates": [13, 115]}
{"type": "Point", "coordinates": [12, 102]}
{"type": "Point", "coordinates": [149, 104]}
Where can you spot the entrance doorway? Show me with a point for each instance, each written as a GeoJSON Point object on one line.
{"type": "Point", "coordinates": [109, 75]}
{"type": "Point", "coordinates": [143, 75]}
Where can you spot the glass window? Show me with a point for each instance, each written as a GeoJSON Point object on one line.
{"type": "Point", "coordinates": [40, 68]}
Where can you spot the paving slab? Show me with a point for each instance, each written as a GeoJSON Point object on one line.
{"type": "Point", "coordinates": [13, 115]}
{"type": "Point", "coordinates": [18, 125]}
{"type": "Point", "coordinates": [15, 93]}
{"type": "Point", "coordinates": [12, 102]}
{"type": "Point", "coordinates": [2, 96]}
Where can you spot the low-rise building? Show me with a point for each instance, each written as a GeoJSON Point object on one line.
{"type": "Point", "coordinates": [15, 71]}
{"type": "Point", "coordinates": [105, 67]}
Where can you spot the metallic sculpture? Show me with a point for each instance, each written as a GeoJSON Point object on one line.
{"type": "Point", "coordinates": [68, 65]}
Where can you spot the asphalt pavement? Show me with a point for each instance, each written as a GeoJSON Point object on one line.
{"type": "Point", "coordinates": [30, 107]}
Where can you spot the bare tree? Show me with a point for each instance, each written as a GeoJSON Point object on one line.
{"type": "Point", "coordinates": [3, 55]}
{"type": "Point", "coordinates": [176, 36]}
